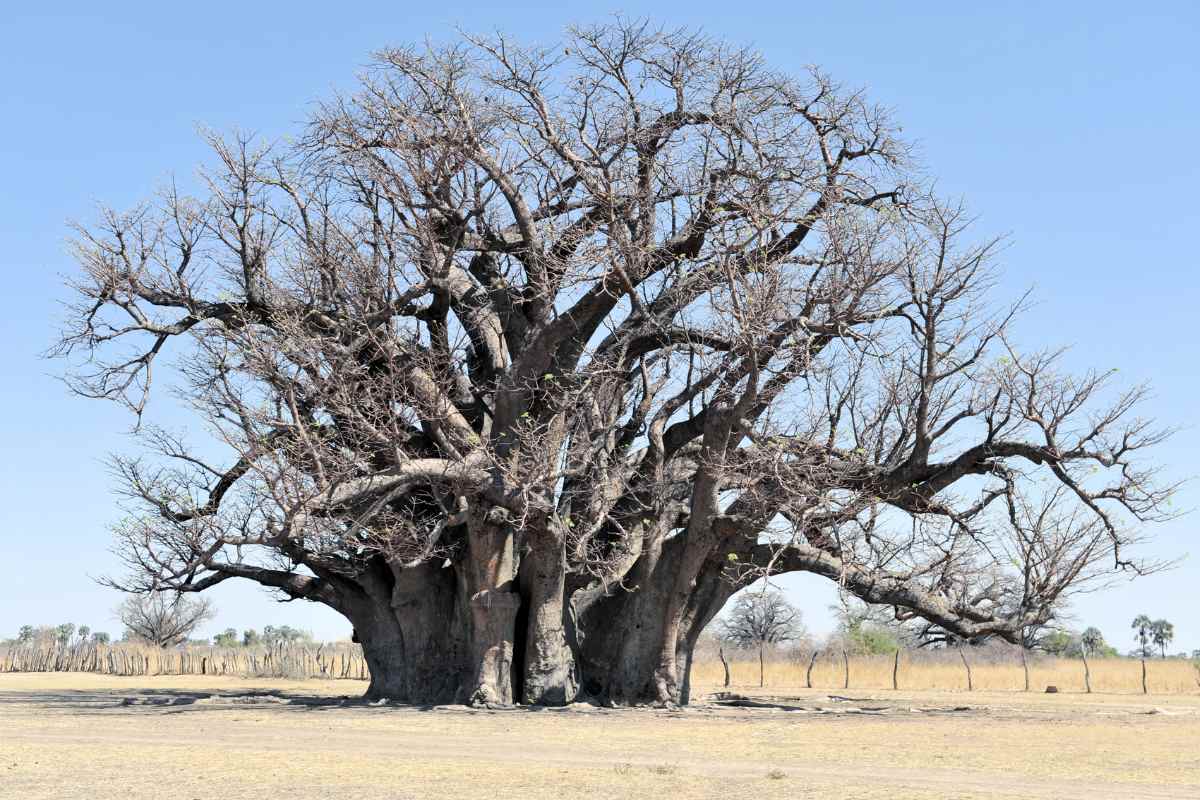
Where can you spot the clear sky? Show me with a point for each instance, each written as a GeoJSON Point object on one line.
{"type": "Point", "coordinates": [1068, 126]}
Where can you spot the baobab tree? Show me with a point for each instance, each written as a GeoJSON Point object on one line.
{"type": "Point", "coordinates": [526, 359]}
{"type": "Point", "coordinates": [163, 620]}
{"type": "Point", "coordinates": [760, 619]}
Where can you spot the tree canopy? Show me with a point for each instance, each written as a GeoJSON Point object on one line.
{"type": "Point", "coordinates": [516, 346]}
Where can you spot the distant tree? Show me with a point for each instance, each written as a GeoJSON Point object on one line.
{"type": "Point", "coordinates": [250, 638]}
{"type": "Point", "coordinates": [1060, 643]}
{"type": "Point", "coordinates": [64, 632]}
{"type": "Point", "coordinates": [759, 619]}
{"type": "Point", "coordinates": [25, 634]}
{"type": "Point", "coordinates": [1196, 655]}
{"type": "Point", "coordinates": [83, 633]}
{"type": "Point", "coordinates": [226, 638]}
{"type": "Point", "coordinates": [1092, 643]}
{"type": "Point", "coordinates": [1162, 632]}
{"type": "Point", "coordinates": [868, 630]}
{"type": "Point", "coordinates": [161, 620]}
{"type": "Point", "coordinates": [285, 634]}
{"type": "Point", "coordinates": [871, 639]}
{"type": "Point", "coordinates": [100, 637]}
{"type": "Point", "coordinates": [1143, 628]}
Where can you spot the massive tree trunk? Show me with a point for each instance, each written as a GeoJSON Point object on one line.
{"type": "Point", "coordinates": [459, 632]}
{"type": "Point", "coordinates": [549, 673]}
{"type": "Point", "coordinates": [412, 640]}
{"type": "Point", "coordinates": [624, 632]}
{"type": "Point", "coordinates": [600, 645]}
{"type": "Point", "coordinates": [489, 585]}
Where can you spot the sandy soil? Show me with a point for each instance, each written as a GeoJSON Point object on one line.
{"type": "Point", "coordinates": [91, 736]}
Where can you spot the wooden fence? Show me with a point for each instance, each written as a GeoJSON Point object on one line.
{"type": "Point", "coordinates": [329, 661]}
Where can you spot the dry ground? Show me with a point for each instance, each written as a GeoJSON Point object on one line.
{"type": "Point", "coordinates": [69, 735]}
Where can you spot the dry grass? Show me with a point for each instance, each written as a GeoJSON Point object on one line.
{"type": "Point", "coordinates": [1118, 675]}
{"type": "Point", "coordinates": [69, 735]}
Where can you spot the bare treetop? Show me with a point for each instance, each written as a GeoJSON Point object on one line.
{"type": "Point", "coordinates": [161, 620]}
{"type": "Point", "coordinates": [761, 618]}
{"type": "Point", "coordinates": [632, 314]}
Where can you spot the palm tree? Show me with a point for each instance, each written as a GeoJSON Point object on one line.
{"type": "Point", "coordinates": [1162, 632]}
{"type": "Point", "coordinates": [1091, 640]}
{"type": "Point", "coordinates": [1143, 627]}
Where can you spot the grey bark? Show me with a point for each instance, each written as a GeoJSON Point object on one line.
{"type": "Point", "coordinates": [550, 676]}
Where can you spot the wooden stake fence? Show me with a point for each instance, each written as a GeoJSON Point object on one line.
{"type": "Point", "coordinates": [333, 661]}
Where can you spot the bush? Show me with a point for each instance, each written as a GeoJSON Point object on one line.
{"type": "Point", "coordinates": [227, 638]}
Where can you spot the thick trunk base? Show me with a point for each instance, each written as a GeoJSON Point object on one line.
{"type": "Point", "coordinates": [493, 620]}
{"type": "Point", "coordinates": [435, 643]}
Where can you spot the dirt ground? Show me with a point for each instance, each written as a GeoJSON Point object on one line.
{"type": "Point", "coordinates": [92, 736]}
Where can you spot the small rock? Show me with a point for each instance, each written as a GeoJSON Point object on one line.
{"type": "Point", "coordinates": [1051, 690]}
{"type": "Point", "coordinates": [585, 707]}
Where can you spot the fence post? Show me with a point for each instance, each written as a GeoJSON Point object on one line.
{"type": "Point", "coordinates": [846, 667]}
{"type": "Point", "coordinates": [896, 670]}
{"type": "Point", "coordinates": [808, 674]}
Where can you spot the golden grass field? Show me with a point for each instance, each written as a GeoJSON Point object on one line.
{"type": "Point", "coordinates": [67, 735]}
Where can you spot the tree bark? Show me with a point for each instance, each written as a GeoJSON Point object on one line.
{"type": "Point", "coordinates": [760, 665]}
{"type": "Point", "coordinates": [412, 639]}
{"type": "Point", "coordinates": [550, 675]}
{"type": "Point", "coordinates": [846, 668]}
{"type": "Point", "coordinates": [963, 656]}
{"type": "Point", "coordinates": [1144, 689]}
{"type": "Point", "coordinates": [1025, 668]}
{"type": "Point", "coordinates": [1087, 675]}
{"type": "Point", "coordinates": [622, 632]}
{"type": "Point", "coordinates": [670, 682]}
{"type": "Point", "coordinates": [896, 671]}
{"type": "Point", "coordinates": [724, 663]}
{"type": "Point", "coordinates": [489, 583]}
{"type": "Point", "coordinates": [619, 631]}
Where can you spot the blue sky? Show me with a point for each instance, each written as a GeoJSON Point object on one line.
{"type": "Point", "coordinates": [1068, 127]}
